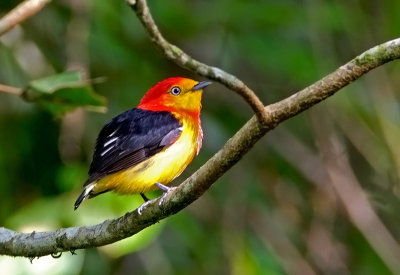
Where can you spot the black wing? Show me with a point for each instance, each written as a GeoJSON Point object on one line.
{"type": "Point", "coordinates": [131, 138]}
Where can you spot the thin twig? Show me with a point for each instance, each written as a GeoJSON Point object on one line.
{"type": "Point", "coordinates": [187, 62]}
{"type": "Point", "coordinates": [20, 13]}
{"type": "Point", "coordinates": [10, 90]}
{"type": "Point", "coordinates": [44, 243]}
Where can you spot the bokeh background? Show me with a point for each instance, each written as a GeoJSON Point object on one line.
{"type": "Point", "coordinates": [318, 195]}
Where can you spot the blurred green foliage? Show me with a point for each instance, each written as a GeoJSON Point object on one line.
{"type": "Point", "coordinates": [63, 93]}
{"type": "Point", "coordinates": [279, 210]}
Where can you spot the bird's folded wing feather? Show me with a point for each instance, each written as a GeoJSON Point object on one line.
{"type": "Point", "coordinates": [131, 138]}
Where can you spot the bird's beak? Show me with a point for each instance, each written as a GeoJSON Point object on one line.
{"type": "Point", "coordinates": [201, 85]}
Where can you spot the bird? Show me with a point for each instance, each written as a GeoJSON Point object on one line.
{"type": "Point", "coordinates": [145, 148]}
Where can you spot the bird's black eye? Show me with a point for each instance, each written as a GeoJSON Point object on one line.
{"type": "Point", "coordinates": [175, 90]}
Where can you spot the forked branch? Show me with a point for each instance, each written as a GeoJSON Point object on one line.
{"type": "Point", "coordinates": [67, 239]}
{"type": "Point", "coordinates": [181, 58]}
{"type": "Point", "coordinates": [37, 244]}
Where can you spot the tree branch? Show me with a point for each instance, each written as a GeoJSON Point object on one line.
{"type": "Point", "coordinates": [20, 13]}
{"type": "Point", "coordinates": [10, 90]}
{"type": "Point", "coordinates": [68, 239]}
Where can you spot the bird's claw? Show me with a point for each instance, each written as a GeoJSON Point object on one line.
{"type": "Point", "coordinates": [142, 207]}
{"type": "Point", "coordinates": [163, 188]}
{"type": "Point", "coordinates": [165, 193]}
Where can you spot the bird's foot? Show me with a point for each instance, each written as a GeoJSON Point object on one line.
{"type": "Point", "coordinates": [142, 207]}
{"type": "Point", "coordinates": [165, 190]}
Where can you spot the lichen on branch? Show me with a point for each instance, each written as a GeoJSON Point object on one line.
{"type": "Point", "coordinates": [69, 239]}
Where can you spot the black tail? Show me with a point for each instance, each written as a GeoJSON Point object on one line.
{"type": "Point", "coordinates": [80, 200]}
{"type": "Point", "coordinates": [87, 191]}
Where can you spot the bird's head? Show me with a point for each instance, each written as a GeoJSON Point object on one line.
{"type": "Point", "coordinates": [175, 94]}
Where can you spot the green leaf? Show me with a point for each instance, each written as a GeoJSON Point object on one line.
{"type": "Point", "coordinates": [64, 92]}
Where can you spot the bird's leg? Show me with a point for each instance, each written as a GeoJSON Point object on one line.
{"type": "Point", "coordinates": [144, 197]}
{"type": "Point", "coordinates": [143, 206]}
{"type": "Point", "coordinates": [165, 189]}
